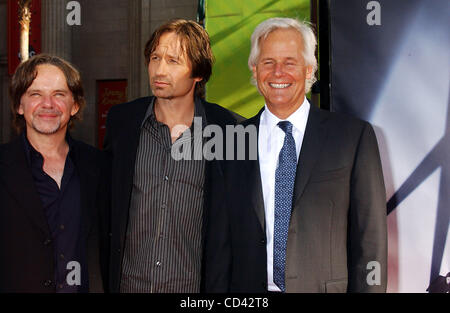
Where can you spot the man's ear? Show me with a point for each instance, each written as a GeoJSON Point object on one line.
{"type": "Point", "coordinates": [309, 72]}
{"type": "Point", "coordinates": [20, 110]}
{"type": "Point", "coordinates": [75, 109]}
{"type": "Point", "coordinates": [254, 72]}
{"type": "Point", "coordinates": [198, 79]}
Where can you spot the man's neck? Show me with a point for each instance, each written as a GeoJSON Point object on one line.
{"type": "Point", "coordinates": [283, 112]}
{"type": "Point", "coordinates": [50, 146]}
{"type": "Point", "coordinates": [173, 112]}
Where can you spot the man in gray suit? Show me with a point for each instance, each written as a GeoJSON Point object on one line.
{"type": "Point", "coordinates": [309, 214]}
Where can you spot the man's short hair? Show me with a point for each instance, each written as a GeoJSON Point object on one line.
{"type": "Point", "coordinates": [24, 76]}
{"type": "Point", "coordinates": [272, 24]}
{"type": "Point", "coordinates": [195, 43]}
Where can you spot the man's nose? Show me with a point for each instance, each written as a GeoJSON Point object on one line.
{"type": "Point", "coordinates": [47, 101]}
{"type": "Point", "coordinates": [161, 68]}
{"type": "Point", "coordinates": [279, 69]}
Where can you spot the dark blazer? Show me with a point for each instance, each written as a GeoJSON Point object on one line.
{"type": "Point", "coordinates": [338, 219]}
{"type": "Point", "coordinates": [123, 129]}
{"type": "Point", "coordinates": [26, 249]}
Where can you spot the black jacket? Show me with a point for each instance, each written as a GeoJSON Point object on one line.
{"type": "Point", "coordinates": [26, 251]}
{"type": "Point", "coordinates": [123, 128]}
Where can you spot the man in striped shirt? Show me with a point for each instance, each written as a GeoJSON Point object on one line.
{"type": "Point", "coordinates": [157, 202]}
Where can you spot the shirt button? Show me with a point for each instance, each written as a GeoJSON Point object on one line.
{"type": "Point", "coordinates": [61, 256]}
{"type": "Point", "coordinates": [60, 286]}
{"type": "Point", "coordinates": [47, 242]}
{"type": "Point", "coordinates": [158, 263]}
{"type": "Point", "coordinates": [61, 227]}
{"type": "Point", "coordinates": [166, 178]}
{"type": "Point", "coordinates": [47, 283]}
{"type": "Point", "coordinates": [163, 206]}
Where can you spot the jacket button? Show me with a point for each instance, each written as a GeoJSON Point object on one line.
{"type": "Point", "coordinates": [263, 241]}
{"type": "Point", "coordinates": [47, 242]}
{"type": "Point", "coordinates": [110, 234]}
{"type": "Point", "coordinates": [47, 283]}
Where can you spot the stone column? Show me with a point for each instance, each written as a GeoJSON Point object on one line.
{"type": "Point", "coordinates": [56, 33]}
{"type": "Point", "coordinates": [138, 34]}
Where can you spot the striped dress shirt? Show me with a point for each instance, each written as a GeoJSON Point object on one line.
{"type": "Point", "coordinates": [163, 247]}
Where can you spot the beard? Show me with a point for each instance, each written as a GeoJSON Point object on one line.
{"type": "Point", "coordinates": [47, 127]}
{"type": "Point", "coordinates": [163, 94]}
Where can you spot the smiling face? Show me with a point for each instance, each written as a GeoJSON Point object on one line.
{"type": "Point", "coordinates": [170, 70]}
{"type": "Point", "coordinates": [48, 103]}
{"type": "Point", "coordinates": [281, 72]}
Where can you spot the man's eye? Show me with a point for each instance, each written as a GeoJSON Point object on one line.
{"type": "Point", "coordinates": [153, 58]}
{"type": "Point", "coordinates": [173, 61]}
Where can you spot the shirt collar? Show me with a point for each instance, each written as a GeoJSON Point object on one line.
{"type": "Point", "coordinates": [150, 112]}
{"type": "Point", "coordinates": [298, 118]}
{"type": "Point", "coordinates": [199, 111]}
{"type": "Point", "coordinates": [31, 153]}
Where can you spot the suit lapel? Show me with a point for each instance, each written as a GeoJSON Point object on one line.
{"type": "Point", "coordinates": [18, 180]}
{"type": "Point", "coordinates": [313, 141]}
{"type": "Point", "coordinates": [88, 173]}
{"type": "Point", "coordinates": [129, 145]}
{"type": "Point", "coordinates": [257, 194]}
{"type": "Point", "coordinates": [253, 173]}
{"type": "Point", "coordinates": [315, 135]}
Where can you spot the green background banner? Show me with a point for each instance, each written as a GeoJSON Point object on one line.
{"type": "Point", "coordinates": [230, 24]}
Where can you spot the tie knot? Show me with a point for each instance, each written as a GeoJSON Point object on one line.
{"type": "Point", "coordinates": [286, 126]}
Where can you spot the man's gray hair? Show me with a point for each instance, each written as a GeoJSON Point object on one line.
{"type": "Point", "coordinates": [272, 24]}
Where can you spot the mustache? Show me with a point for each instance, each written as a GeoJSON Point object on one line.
{"type": "Point", "coordinates": [162, 79]}
{"type": "Point", "coordinates": [46, 111]}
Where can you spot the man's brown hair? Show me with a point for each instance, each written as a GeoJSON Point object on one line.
{"type": "Point", "coordinates": [24, 76]}
{"type": "Point", "coordinates": [194, 41]}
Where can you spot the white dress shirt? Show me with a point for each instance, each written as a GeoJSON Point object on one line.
{"type": "Point", "coordinates": [270, 142]}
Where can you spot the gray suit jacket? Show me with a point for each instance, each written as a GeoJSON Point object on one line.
{"type": "Point", "coordinates": [338, 219]}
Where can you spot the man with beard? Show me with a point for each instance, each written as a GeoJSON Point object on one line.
{"type": "Point", "coordinates": [48, 186]}
{"type": "Point", "coordinates": [158, 201]}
